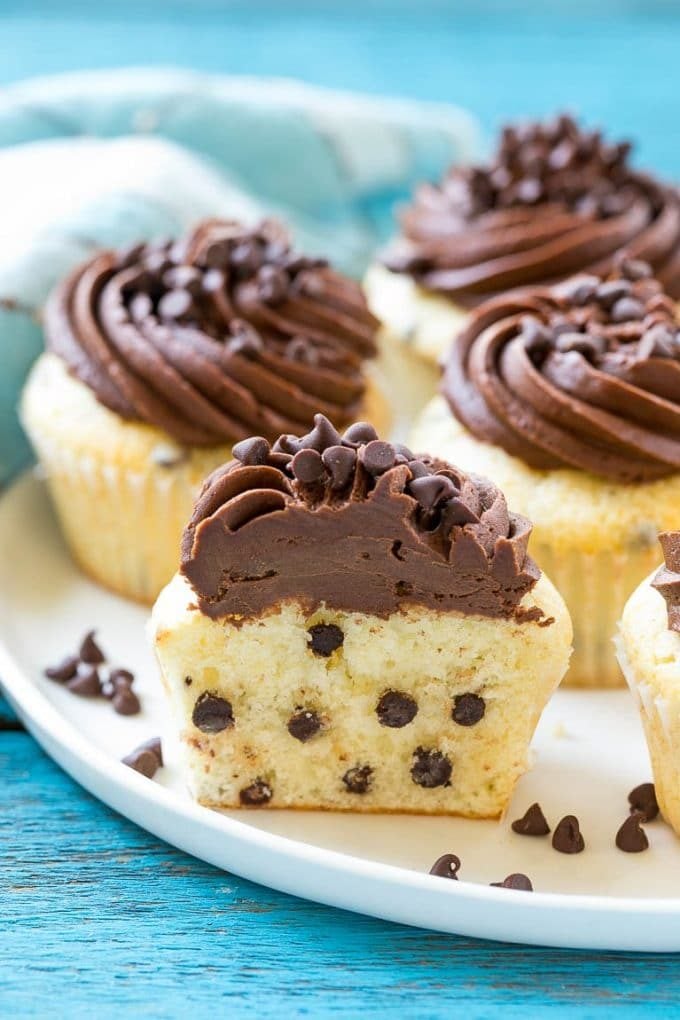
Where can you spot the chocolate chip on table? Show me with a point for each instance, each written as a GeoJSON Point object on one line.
{"type": "Point", "coordinates": [643, 800]}
{"type": "Point", "coordinates": [324, 638]}
{"type": "Point", "coordinates": [468, 709]}
{"type": "Point", "coordinates": [446, 866]}
{"type": "Point", "coordinates": [532, 823]}
{"type": "Point", "coordinates": [257, 794]}
{"type": "Point", "coordinates": [430, 768]}
{"type": "Point", "coordinates": [358, 779]}
{"type": "Point", "coordinates": [145, 759]}
{"type": "Point", "coordinates": [396, 709]}
{"type": "Point", "coordinates": [515, 881]}
{"type": "Point", "coordinates": [64, 670]}
{"type": "Point", "coordinates": [631, 837]}
{"type": "Point", "coordinates": [86, 682]}
{"type": "Point", "coordinates": [304, 725]}
{"type": "Point", "coordinates": [212, 714]}
{"type": "Point", "coordinates": [567, 836]}
{"type": "Point", "coordinates": [90, 651]}
{"type": "Point", "coordinates": [252, 451]}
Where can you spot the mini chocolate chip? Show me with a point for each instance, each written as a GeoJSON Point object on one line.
{"type": "Point", "coordinates": [396, 709]}
{"type": "Point", "coordinates": [627, 308]}
{"type": "Point", "coordinates": [468, 709]}
{"type": "Point", "coordinates": [176, 304]}
{"type": "Point", "coordinates": [430, 768]}
{"type": "Point", "coordinates": [252, 451]}
{"type": "Point", "coordinates": [257, 794]}
{"type": "Point", "coordinates": [244, 340]}
{"type": "Point", "coordinates": [339, 461]}
{"type": "Point", "coordinates": [658, 342]}
{"type": "Point", "coordinates": [125, 701]}
{"type": "Point", "coordinates": [634, 269]}
{"type": "Point", "coordinates": [532, 823]}
{"type": "Point", "coordinates": [304, 725]}
{"type": "Point", "coordinates": [446, 866]}
{"type": "Point", "coordinates": [86, 682]}
{"type": "Point", "coordinates": [183, 278]}
{"type": "Point", "coordinates": [579, 290]}
{"type": "Point", "coordinates": [188, 680]}
{"type": "Point", "coordinates": [211, 713]}
{"type": "Point", "coordinates": [431, 489]}
{"type": "Point", "coordinates": [324, 638]}
{"type": "Point", "coordinates": [358, 779]}
{"type": "Point", "coordinates": [213, 281]}
{"type": "Point", "coordinates": [631, 837]}
{"type": "Point", "coordinates": [515, 881]}
{"type": "Point", "coordinates": [360, 433]}
{"type": "Point", "coordinates": [567, 836]}
{"type": "Point", "coordinates": [377, 457]}
{"type": "Point", "coordinates": [65, 670]}
{"type": "Point", "coordinates": [403, 451]}
{"type": "Point", "coordinates": [307, 466]}
{"type": "Point", "coordinates": [320, 438]}
{"type": "Point", "coordinates": [418, 469]}
{"type": "Point", "coordinates": [583, 343]}
{"type": "Point", "coordinates": [643, 800]}
{"type": "Point", "coordinates": [146, 759]}
{"type": "Point", "coordinates": [140, 307]}
{"type": "Point", "coordinates": [90, 651]}
{"type": "Point", "coordinates": [611, 291]}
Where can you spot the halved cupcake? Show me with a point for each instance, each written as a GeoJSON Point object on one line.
{"type": "Point", "coordinates": [356, 628]}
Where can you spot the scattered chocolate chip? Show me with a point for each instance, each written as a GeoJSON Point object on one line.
{"type": "Point", "coordinates": [212, 714]}
{"type": "Point", "coordinates": [339, 461]}
{"type": "Point", "coordinates": [324, 638]}
{"type": "Point", "coordinates": [121, 678]}
{"type": "Point", "coordinates": [627, 308]}
{"type": "Point", "coordinates": [579, 290]}
{"type": "Point", "coordinates": [176, 304]}
{"type": "Point", "coordinates": [611, 291]}
{"type": "Point", "coordinates": [184, 277]}
{"type": "Point", "coordinates": [377, 457]}
{"type": "Point", "coordinates": [252, 451]}
{"type": "Point", "coordinates": [532, 823]}
{"type": "Point", "coordinates": [188, 680]}
{"type": "Point", "coordinates": [146, 759]}
{"type": "Point", "coordinates": [140, 307]}
{"type": "Point", "coordinates": [567, 836]}
{"type": "Point", "coordinates": [396, 709]}
{"type": "Point", "coordinates": [245, 340]}
{"type": "Point", "coordinates": [468, 709]}
{"type": "Point", "coordinates": [430, 490]}
{"type": "Point", "coordinates": [515, 881]}
{"type": "Point", "coordinates": [358, 779]}
{"type": "Point", "coordinates": [583, 343]}
{"type": "Point", "coordinates": [257, 794]}
{"type": "Point", "coordinates": [431, 768]}
{"type": "Point", "coordinates": [65, 670]}
{"type": "Point", "coordinates": [634, 269]}
{"type": "Point", "coordinates": [86, 682]}
{"type": "Point", "coordinates": [359, 433]}
{"type": "Point", "coordinates": [125, 701]}
{"type": "Point", "coordinates": [631, 837]}
{"type": "Point", "coordinates": [90, 651]}
{"type": "Point", "coordinates": [643, 801]}
{"type": "Point", "coordinates": [272, 284]}
{"type": "Point", "coordinates": [323, 435]}
{"type": "Point", "coordinates": [307, 466]}
{"type": "Point", "coordinates": [304, 725]}
{"type": "Point", "coordinates": [446, 866]}
{"type": "Point", "coordinates": [658, 342]}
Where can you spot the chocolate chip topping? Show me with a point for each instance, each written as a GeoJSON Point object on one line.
{"type": "Point", "coordinates": [446, 866]}
{"type": "Point", "coordinates": [643, 801]}
{"type": "Point", "coordinates": [225, 334]}
{"type": "Point", "coordinates": [90, 651]}
{"type": "Point", "coordinates": [146, 759]}
{"type": "Point", "coordinates": [396, 531]}
{"type": "Point", "coordinates": [431, 768]}
{"type": "Point", "coordinates": [667, 581]}
{"type": "Point", "coordinates": [567, 836]}
{"type": "Point", "coordinates": [468, 709]}
{"type": "Point", "coordinates": [304, 725]}
{"type": "Point", "coordinates": [211, 713]}
{"type": "Point", "coordinates": [325, 638]}
{"type": "Point", "coordinates": [631, 837]}
{"type": "Point", "coordinates": [256, 795]}
{"type": "Point", "coordinates": [532, 823]}
{"type": "Point", "coordinates": [515, 881]}
{"type": "Point", "coordinates": [396, 709]}
{"type": "Point", "coordinates": [358, 779]}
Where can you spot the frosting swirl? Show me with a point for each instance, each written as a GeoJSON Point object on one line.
{"type": "Point", "coordinates": [357, 524]}
{"type": "Point", "coordinates": [555, 200]}
{"type": "Point", "coordinates": [667, 578]}
{"type": "Point", "coordinates": [584, 375]}
{"type": "Point", "coordinates": [214, 337]}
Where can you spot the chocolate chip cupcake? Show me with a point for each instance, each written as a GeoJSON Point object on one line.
{"type": "Point", "coordinates": [553, 201]}
{"type": "Point", "coordinates": [160, 358]}
{"type": "Point", "coordinates": [569, 398]}
{"type": "Point", "coordinates": [648, 648]}
{"type": "Point", "coordinates": [354, 628]}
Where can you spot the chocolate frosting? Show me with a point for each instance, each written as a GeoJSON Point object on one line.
{"type": "Point", "coordinates": [225, 333]}
{"type": "Point", "coordinates": [357, 524]}
{"type": "Point", "coordinates": [584, 375]}
{"type": "Point", "coordinates": [555, 200]}
{"type": "Point", "coordinates": [667, 578]}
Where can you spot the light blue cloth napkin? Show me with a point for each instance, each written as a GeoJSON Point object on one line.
{"type": "Point", "coordinates": [108, 158]}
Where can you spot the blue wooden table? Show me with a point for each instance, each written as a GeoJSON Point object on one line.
{"type": "Point", "coordinates": [97, 918]}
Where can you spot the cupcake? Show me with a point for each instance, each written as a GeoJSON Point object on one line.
{"type": "Point", "coordinates": [160, 358]}
{"type": "Point", "coordinates": [553, 201]}
{"type": "Point", "coordinates": [648, 646]}
{"type": "Point", "coordinates": [569, 399]}
{"type": "Point", "coordinates": [354, 628]}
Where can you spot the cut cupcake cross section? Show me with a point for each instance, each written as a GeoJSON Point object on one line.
{"type": "Point", "coordinates": [364, 631]}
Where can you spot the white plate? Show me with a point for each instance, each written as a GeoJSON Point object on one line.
{"type": "Point", "coordinates": [589, 753]}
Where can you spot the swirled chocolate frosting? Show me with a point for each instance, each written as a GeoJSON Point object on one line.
{"type": "Point", "coordinates": [585, 374]}
{"type": "Point", "coordinates": [555, 200]}
{"type": "Point", "coordinates": [225, 333]}
{"type": "Point", "coordinates": [356, 524]}
{"type": "Point", "coordinates": [667, 578]}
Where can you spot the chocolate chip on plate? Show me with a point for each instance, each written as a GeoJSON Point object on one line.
{"type": "Point", "coordinates": [643, 800]}
{"type": "Point", "coordinates": [532, 823]}
{"type": "Point", "coordinates": [631, 837]}
{"type": "Point", "coordinates": [324, 638]}
{"type": "Point", "coordinates": [86, 682]}
{"type": "Point", "coordinates": [515, 881]}
{"type": "Point", "coordinates": [146, 759]}
{"type": "Point", "coordinates": [125, 701]}
{"type": "Point", "coordinates": [64, 670]}
{"type": "Point", "coordinates": [446, 866]}
{"type": "Point", "coordinates": [567, 836]}
{"type": "Point", "coordinates": [90, 651]}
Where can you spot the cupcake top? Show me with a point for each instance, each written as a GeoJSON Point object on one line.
{"type": "Point", "coordinates": [554, 200]}
{"type": "Point", "coordinates": [667, 578]}
{"type": "Point", "coordinates": [584, 375]}
{"type": "Point", "coordinates": [357, 524]}
{"type": "Point", "coordinates": [224, 333]}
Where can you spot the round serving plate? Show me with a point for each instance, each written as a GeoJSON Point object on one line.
{"type": "Point", "coordinates": [589, 752]}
